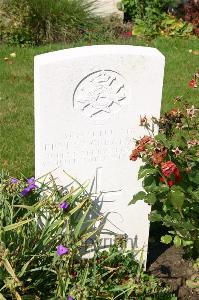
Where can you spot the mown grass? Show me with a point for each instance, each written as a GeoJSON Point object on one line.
{"type": "Point", "coordinates": [16, 93]}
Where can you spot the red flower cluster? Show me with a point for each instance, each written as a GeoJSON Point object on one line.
{"type": "Point", "coordinates": [169, 168]}
{"type": "Point", "coordinates": [141, 147]}
{"type": "Point", "coordinates": [158, 156]}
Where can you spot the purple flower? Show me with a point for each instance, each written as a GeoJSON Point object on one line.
{"type": "Point", "coordinates": [25, 191]}
{"type": "Point", "coordinates": [64, 205]}
{"type": "Point", "coordinates": [61, 250]}
{"type": "Point", "coordinates": [31, 186]}
{"type": "Point", "coordinates": [70, 298]}
{"type": "Point", "coordinates": [31, 182]}
{"type": "Point", "coordinates": [14, 180]}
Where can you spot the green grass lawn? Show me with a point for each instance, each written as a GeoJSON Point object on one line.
{"type": "Point", "coordinates": [16, 94]}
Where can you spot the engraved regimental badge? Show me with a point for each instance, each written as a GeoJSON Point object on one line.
{"type": "Point", "coordinates": [100, 94]}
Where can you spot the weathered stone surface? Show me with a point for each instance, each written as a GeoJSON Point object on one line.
{"type": "Point", "coordinates": [88, 103]}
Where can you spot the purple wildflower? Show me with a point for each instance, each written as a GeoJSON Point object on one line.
{"type": "Point", "coordinates": [31, 182]}
{"type": "Point", "coordinates": [25, 191]}
{"type": "Point", "coordinates": [70, 298]}
{"type": "Point", "coordinates": [64, 205]}
{"type": "Point", "coordinates": [14, 180]}
{"type": "Point", "coordinates": [61, 250]}
{"type": "Point", "coordinates": [31, 186]}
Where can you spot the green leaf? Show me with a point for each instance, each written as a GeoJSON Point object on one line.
{"type": "Point", "coordinates": [86, 236]}
{"type": "Point", "coordinates": [78, 207]}
{"type": "Point", "coordinates": [161, 138]}
{"type": "Point", "coordinates": [177, 241]}
{"type": "Point", "coordinates": [139, 196]}
{"type": "Point", "coordinates": [81, 222]}
{"type": "Point", "coordinates": [163, 189]}
{"type": "Point", "coordinates": [145, 172]}
{"type": "Point", "coordinates": [150, 199]}
{"type": "Point", "coordinates": [155, 217]}
{"type": "Point", "coordinates": [166, 239]}
{"type": "Point", "coordinates": [176, 198]}
{"type": "Point", "coordinates": [85, 276]}
{"type": "Point", "coordinates": [187, 243]}
{"type": "Point", "coordinates": [194, 176]}
{"type": "Point", "coordinates": [25, 266]}
{"type": "Point", "coordinates": [16, 225]}
{"type": "Point", "coordinates": [149, 183]}
{"type": "Point", "coordinates": [9, 269]}
{"type": "Point", "coordinates": [32, 208]}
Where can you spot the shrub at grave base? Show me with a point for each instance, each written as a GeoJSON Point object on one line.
{"type": "Point", "coordinates": [45, 262]}
{"type": "Point", "coordinates": [171, 173]}
{"type": "Point", "coordinates": [40, 21]}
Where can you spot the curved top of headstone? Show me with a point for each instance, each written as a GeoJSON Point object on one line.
{"type": "Point", "coordinates": [86, 51]}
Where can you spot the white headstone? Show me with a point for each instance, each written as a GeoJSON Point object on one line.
{"type": "Point", "coordinates": [108, 7]}
{"type": "Point", "coordinates": [88, 103]}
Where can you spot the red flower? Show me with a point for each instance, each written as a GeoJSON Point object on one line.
{"type": "Point", "coordinates": [129, 33]}
{"type": "Point", "coordinates": [134, 155]}
{"type": "Point", "coordinates": [158, 156]}
{"type": "Point", "coordinates": [168, 168]}
{"type": "Point", "coordinates": [192, 83]}
{"type": "Point", "coordinates": [170, 183]}
{"type": "Point", "coordinates": [140, 147]}
{"type": "Point", "coordinates": [145, 140]}
{"type": "Point", "coordinates": [162, 180]}
{"type": "Point", "coordinates": [177, 175]}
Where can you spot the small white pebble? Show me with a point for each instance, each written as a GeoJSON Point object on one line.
{"type": "Point", "coordinates": [13, 54]}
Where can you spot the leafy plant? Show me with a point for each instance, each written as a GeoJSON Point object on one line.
{"type": "Point", "coordinates": [44, 234]}
{"type": "Point", "coordinates": [115, 274]}
{"type": "Point", "coordinates": [41, 21]}
{"type": "Point", "coordinates": [171, 26]}
{"type": "Point", "coordinates": [139, 9]}
{"type": "Point", "coordinates": [170, 173]}
{"type": "Point", "coordinates": [151, 18]}
{"type": "Point", "coordinates": [168, 25]}
{"type": "Point", "coordinates": [35, 221]}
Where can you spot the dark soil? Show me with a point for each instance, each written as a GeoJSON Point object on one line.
{"type": "Point", "coordinates": [169, 265]}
